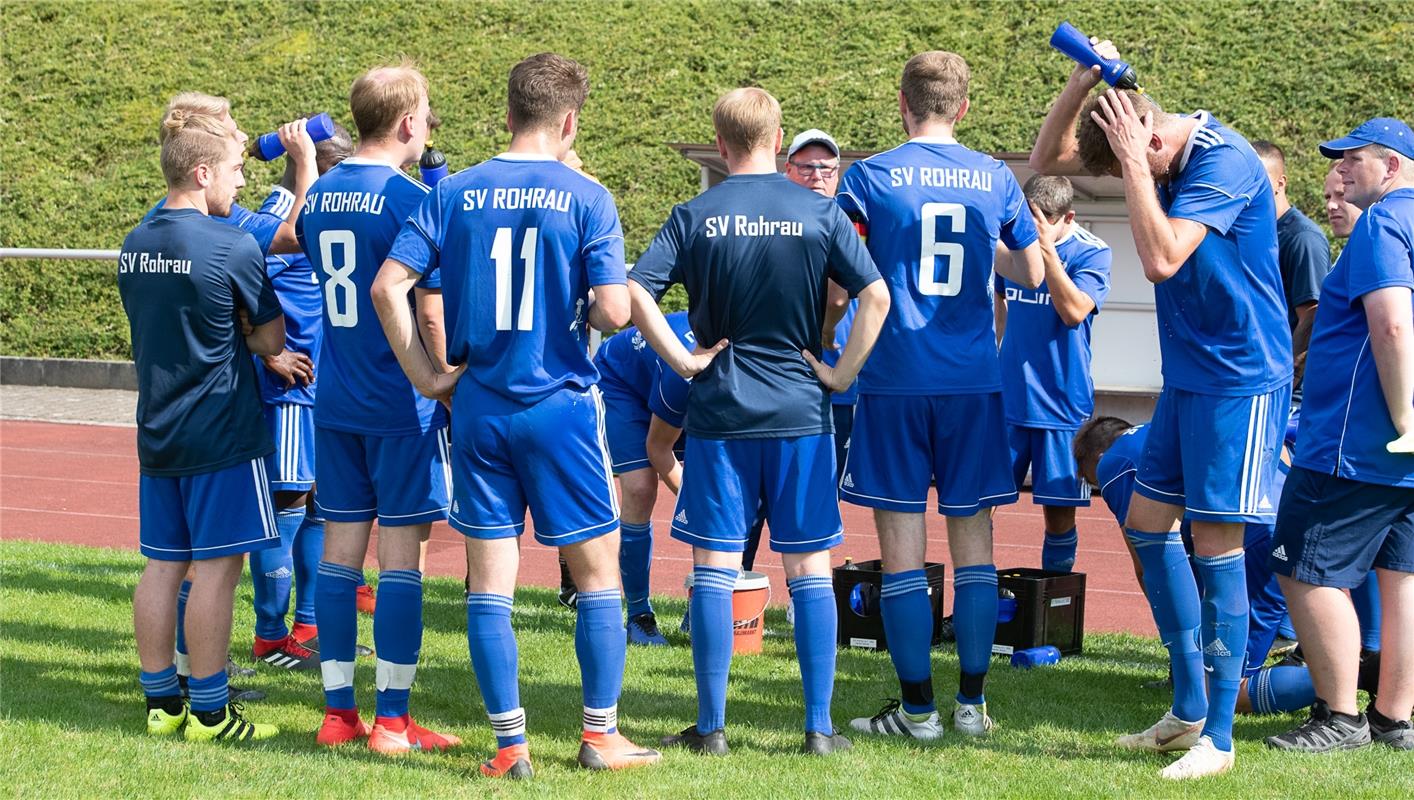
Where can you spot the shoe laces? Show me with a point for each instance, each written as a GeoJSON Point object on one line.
{"type": "Point", "coordinates": [891, 705]}
{"type": "Point", "coordinates": [294, 648]}
{"type": "Point", "coordinates": [648, 623]}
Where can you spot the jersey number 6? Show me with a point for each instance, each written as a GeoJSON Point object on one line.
{"type": "Point", "coordinates": [932, 248]}
{"type": "Point", "coordinates": [339, 290]}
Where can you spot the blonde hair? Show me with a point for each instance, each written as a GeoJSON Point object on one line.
{"type": "Point", "coordinates": [747, 119]}
{"type": "Point", "coordinates": [381, 97]}
{"type": "Point", "coordinates": [189, 139]}
{"type": "Point", "coordinates": [934, 84]}
{"type": "Point", "coordinates": [189, 103]}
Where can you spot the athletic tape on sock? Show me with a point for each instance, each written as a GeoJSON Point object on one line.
{"type": "Point", "coordinates": [337, 675]}
{"type": "Point", "coordinates": [394, 676]}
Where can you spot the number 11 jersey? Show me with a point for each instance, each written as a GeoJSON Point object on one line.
{"type": "Point", "coordinates": [350, 219]}
{"type": "Point", "coordinates": [931, 212]}
{"type": "Point", "coordinates": [518, 240]}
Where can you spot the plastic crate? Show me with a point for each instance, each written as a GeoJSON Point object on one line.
{"type": "Point", "coordinates": [1050, 609]}
{"type": "Point", "coordinates": [860, 622]}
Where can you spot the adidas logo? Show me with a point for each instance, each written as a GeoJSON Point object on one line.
{"type": "Point", "coordinates": [681, 518]}
{"type": "Point", "coordinates": [1280, 553]}
{"type": "Point", "coordinates": [1217, 649]}
{"type": "Point", "coordinates": [456, 509]}
{"type": "Point", "coordinates": [281, 573]}
{"type": "Point", "coordinates": [848, 482]}
{"type": "Point", "coordinates": [1266, 504]}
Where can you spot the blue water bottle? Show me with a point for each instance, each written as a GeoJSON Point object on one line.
{"type": "Point", "coordinates": [432, 165]}
{"type": "Point", "coordinates": [1076, 45]}
{"type": "Point", "coordinates": [268, 147]}
{"type": "Point", "coordinates": [1035, 657]}
{"type": "Point", "coordinates": [1006, 606]}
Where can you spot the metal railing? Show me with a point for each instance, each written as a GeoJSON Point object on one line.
{"type": "Point", "coordinates": [58, 253]}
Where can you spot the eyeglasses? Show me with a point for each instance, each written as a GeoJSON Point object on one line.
{"type": "Point", "coordinates": [825, 170]}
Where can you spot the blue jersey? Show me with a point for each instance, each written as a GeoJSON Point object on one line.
{"type": "Point", "coordinates": [1046, 363]}
{"type": "Point", "coordinates": [262, 224]}
{"type": "Point", "coordinates": [350, 219]}
{"type": "Point", "coordinates": [182, 279]}
{"type": "Point", "coordinates": [754, 253]}
{"type": "Point", "coordinates": [1345, 423]}
{"type": "Point", "coordinates": [1117, 469]}
{"type": "Point", "coordinates": [1222, 316]}
{"type": "Point", "coordinates": [628, 366]}
{"type": "Point", "coordinates": [298, 289]}
{"type": "Point", "coordinates": [832, 357]}
{"type": "Point", "coordinates": [519, 241]}
{"type": "Point", "coordinates": [932, 212]}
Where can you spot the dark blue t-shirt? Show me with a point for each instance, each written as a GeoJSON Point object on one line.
{"type": "Point", "coordinates": [754, 253]}
{"type": "Point", "coordinates": [262, 224]}
{"type": "Point", "coordinates": [1305, 259]}
{"type": "Point", "coordinates": [182, 277]}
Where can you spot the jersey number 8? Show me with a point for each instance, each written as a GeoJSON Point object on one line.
{"type": "Point", "coordinates": [339, 290]}
{"type": "Point", "coordinates": [932, 248]}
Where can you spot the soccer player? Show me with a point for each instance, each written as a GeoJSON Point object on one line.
{"type": "Point", "coordinates": [930, 401]}
{"type": "Point", "coordinates": [1047, 391]}
{"type": "Point", "coordinates": [1204, 224]}
{"type": "Point", "coordinates": [380, 447]}
{"type": "Point", "coordinates": [287, 386]}
{"type": "Point", "coordinates": [530, 253]}
{"type": "Point", "coordinates": [185, 283]}
{"type": "Point", "coordinates": [644, 405]}
{"type": "Point", "coordinates": [1350, 498]}
{"type": "Point", "coordinates": [755, 254]}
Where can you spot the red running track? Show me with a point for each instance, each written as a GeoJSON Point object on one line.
{"type": "Point", "coordinates": [78, 484]}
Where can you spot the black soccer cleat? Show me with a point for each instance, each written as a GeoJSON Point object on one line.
{"type": "Point", "coordinates": [819, 744]}
{"type": "Point", "coordinates": [713, 743]}
{"type": "Point", "coordinates": [1323, 732]}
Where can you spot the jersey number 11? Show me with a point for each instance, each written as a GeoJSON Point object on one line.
{"type": "Point", "coordinates": [501, 249]}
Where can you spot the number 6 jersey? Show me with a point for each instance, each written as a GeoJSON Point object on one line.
{"type": "Point", "coordinates": [351, 217]}
{"type": "Point", "coordinates": [931, 212]}
{"type": "Point", "coordinates": [518, 241]}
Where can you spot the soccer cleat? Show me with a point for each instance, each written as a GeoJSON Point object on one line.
{"type": "Point", "coordinates": [397, 735]}
{"type": "Point", "coordinates": [236, 693]}
{"type": "Point", "coordinates": [340, 728]}
{"type": "Point", "coordinates": [1168, 734]}
{"type": "Point", "coordinates": [820, 744]}
{"type": "Point", "coordinates": [1399, 734]}
{"type": "Point", "coordinates": [234, 670]}
{"type": "Point", "coordinates": [304, 633]}
{"type": "Point", "coordinates": [231, 727]}
{"type": "Point", "coordinates": [613, 751]}
{"type": "Point", "coordinates": [1201, 760]}
{"type": "Point", "coordinates": [1280, 647]}
{"type": "Point", "coordinates": [972, 719]}
{"type": "Point", "coordinates": [161, 723]}
{"type": "Point", "coordinates": [1322, 732]}
{"type": "Point", "coordinates": [643, 629]}
{"type": "Point", "coordinates": [285, 653]}
{"type": "Point", "coordinates": [893, 721]}
{"type": "Point", "coordinates": [712, 743]}
{"type": "Point", "coordinates": [510, 762]}
{"type": "Point", "coordinates": [569, 593]}
{"type": "Point", "coordinates": [364, 599]}
{"type": "Point", "coordinates": [360, 650]}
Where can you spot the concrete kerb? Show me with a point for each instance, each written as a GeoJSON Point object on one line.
{"type": "Point", "coordinates": [75, 373]}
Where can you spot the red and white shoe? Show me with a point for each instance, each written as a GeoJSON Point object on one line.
{"type": "Point", "coordinates": [342, 727]}
{"type": "Point", "coordinates": [613, 751]}
{"type": "Point", "coordinates": [284, 653]}
{"type": "Point", "coordinates": [398, 735]}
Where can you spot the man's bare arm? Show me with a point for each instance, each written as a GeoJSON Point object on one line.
{"type": "Point", "coordinates": [659, 444]}
{"type": "Point", "coordinates": [299, 149]}
{"type": "Point", "coordinates": [1057, 152]}
{"type": "Point", "coordinates": [390, 292]}
{"type": "Point", "coordinates": [431, 326]}
{"type": "Point", "coordinates": [1388, 313]}
{"type": "Point", "coordinates": [649, 320]}
{"type": "Point", "coordinates": [609, 307]}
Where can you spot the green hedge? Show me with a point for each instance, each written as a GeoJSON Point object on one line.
{"type": "Point", "coordinates": [84, 83]}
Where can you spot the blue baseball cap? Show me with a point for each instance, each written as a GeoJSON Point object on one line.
{"type": "Point", "coordinates": [1386, 131]}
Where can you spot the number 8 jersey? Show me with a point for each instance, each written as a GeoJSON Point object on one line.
{"type": "Point", "coordinates": [351, 217]}
{"type": "Point", "coordinates": [931, 212]}
{"type": "Point", "coordinates": [518, 240]}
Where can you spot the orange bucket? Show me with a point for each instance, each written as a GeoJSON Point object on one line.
{"type": "Point", "coordinates": [749, 600]}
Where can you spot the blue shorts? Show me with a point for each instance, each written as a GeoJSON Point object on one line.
{"type": "Point", "coordinates": [1214, 456]}
{"type": "Point", "coordinates": [1332, 530]}
{"type": "Point", "coordinates": [212, 515]}
{"type": "Point", "coordinates": [291, 466]}
{"type": "Point", "coordinates": [791, 480]}
{"type": "Point", "coordinates": [901, 443]}
{"type": "Point", "coordinates": [551, 458]}
{"type": "Point", "coordinates": [398, 480]}
{"type": "Point", "coordinates": [626, 421]}
{"type": "Point", "coordinates": [1266, 604]}
{"type": "Point", "coordinates": [1055, 477]}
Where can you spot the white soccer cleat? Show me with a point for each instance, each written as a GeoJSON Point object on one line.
{"type": "Point", "coordinates": [1201, 760]}
{"type": "Point", "coordinates": [891, 721]}
{"type": "Point", "coordinates": [972, 720]}
{"type": "Point", "coordinates": [1168, 734]}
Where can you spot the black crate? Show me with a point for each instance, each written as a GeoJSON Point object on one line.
{"type": "Point", "coordinates": [1050, 609]}
{"type": "Point", "coordinates": [867, 630]}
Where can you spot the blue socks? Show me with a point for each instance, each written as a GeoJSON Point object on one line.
{"type": "Point", "coordinates": [908, 629]}
{"type": "Point", "coordinates": [210, 693]}
{"type": "Point", "coordinates": [309, 549]}
{"type": "Point", "coordinates": [183, 665]}
{"type": "Point", "coordinates": [1224, 637]}
{"type": "Point", "coordinates": [1277, 690]}
{"type": "Point", "coordinates": [711, 610]}
{"type": "Point", "coordinates": [1366, 598]}
{"type": "Point", "coordinates": [974, 619]}
{"type": "Point", "coordinates": [1173, 597]}
{"type": "Point", "coordinates": [271, 571]}
{"type": "Point", "coordinates": [160, 684]}
{"type": "Point", "coordinates": [601, 646]}
{"type": "Point", "coordinates": [815, 625]}
{"type": "Point", "coordinates": [1058, 551]}
{"type": "Point", "coordinates": [635, 558]}
{"type": "Point", "coordinates": [338, 631]}
{"type": "Point", "coordinates": [494, 656]}
{"type": "Point", "coordinates": [397, 637]}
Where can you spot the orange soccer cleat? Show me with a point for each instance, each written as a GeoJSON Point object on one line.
{"type": "Point", "coordinates": [613, 751]}
{"type": "Point", "coordinates": [398, 735]}
{"type": "Point", "coordinates": [510, 762]}
{"type": "Point", "coordinates": [365, 600]}
{"type": "Point", "coordinates": [341, 727]}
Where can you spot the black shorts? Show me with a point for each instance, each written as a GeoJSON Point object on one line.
{"type": "Point", "coordinates": [1331, 530]}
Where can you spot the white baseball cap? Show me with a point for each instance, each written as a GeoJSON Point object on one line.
{"type": "Point", "coordinates": [812, 136]}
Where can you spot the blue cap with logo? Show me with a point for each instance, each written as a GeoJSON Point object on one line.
{"type": "Point", "coordinates": [1386, 131]}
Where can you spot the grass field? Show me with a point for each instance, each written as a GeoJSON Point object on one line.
{"type": "Point", "coordinates": [70, 716]}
